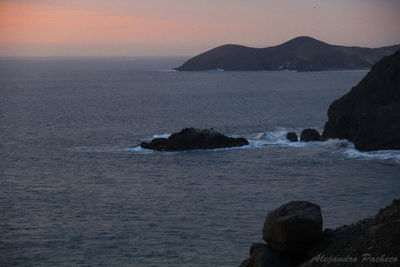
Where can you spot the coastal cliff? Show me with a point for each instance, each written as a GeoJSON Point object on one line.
{"type": "Point", "coordinates": [369, 115]}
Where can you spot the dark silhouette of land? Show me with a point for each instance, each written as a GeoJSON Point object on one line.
{"type": "Point", "coordinates": [299, 54]}
{"type": "Point", "coordinates": [369, 115]}
{"type": "Point", "coordinates": [192, 138]}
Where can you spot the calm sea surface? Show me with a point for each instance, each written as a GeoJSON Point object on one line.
{"type": "Point", "coordinates": [76, 190]}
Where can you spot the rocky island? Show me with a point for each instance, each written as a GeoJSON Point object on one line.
{"type": "Point", "coordinates": [192, 138]}
{"type": "Point", "coordinates": [299, 54]}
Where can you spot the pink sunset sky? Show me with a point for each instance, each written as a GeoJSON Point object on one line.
{"type": "Point", "coordinates": [187, 27]}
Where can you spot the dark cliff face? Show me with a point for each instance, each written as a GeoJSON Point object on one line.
{"type": "Point", "coordinates": [369, 115]}
{"type": "Point", "coordinates": [301, 54]}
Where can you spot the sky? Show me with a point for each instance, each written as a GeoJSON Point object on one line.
{"type": "Point", "coordinates": [187, 27]}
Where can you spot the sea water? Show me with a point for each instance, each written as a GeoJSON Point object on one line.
{"type": "Point", "coordinates": [76, 189]}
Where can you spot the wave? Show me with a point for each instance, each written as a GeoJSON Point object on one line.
{"type": "Point", "coordinates": [392, 155]}
{"type": "Point", "coordinates": [278, 138]}
{"type": "Point", "coordinates": [166, 135]}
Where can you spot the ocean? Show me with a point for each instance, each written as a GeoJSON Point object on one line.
{"type": "Point", "coordinates": [76, 189]}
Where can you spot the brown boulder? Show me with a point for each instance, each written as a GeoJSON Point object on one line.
{"type": "Point", "coordinates": [293, 227]}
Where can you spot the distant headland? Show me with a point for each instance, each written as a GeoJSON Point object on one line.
{"type": "Point", "coordinates": [299, 54]}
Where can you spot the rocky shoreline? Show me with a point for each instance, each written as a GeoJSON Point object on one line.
{"type": "Point", "coordinates": [368, 116]}
{"type": "Point", "coordinates": [374, 241]}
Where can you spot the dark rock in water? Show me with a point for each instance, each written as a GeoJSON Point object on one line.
{"type": "Point", "coordinates": [301, 54]}
{"type": "Point", "coordinates": [191, 138]}
{"type": "Point", "coordinates": [156, 143]}
{"type": "Point", "coordinates": [292, 137]}
{"type": "Point", "coordinates": [293, 227]}
{"type": "Point", "coordinates": [310, 135]}
{"type": "Point", "coordinates": [262, 255]}
{"type": "Point", "coordinates": [369, 115]}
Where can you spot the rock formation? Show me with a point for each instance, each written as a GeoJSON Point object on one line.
{"type": "Point", "coordinates": [292, 137]}
{"type": "Point", "coordinates": [310, 134]}
{"type": "Point", "coordinates": [374, 241]}
{"type": "Point", "coordinates": [369, 115]}
{"type": "Point", "coordinates": [191, 138]}
{"type": "Point", "coordinates": [293, 227]}
{"type": "Point", "coordinates": [289, 231]}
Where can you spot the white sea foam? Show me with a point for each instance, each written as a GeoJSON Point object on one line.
{"type": "Point", "coordinates": [392, 155]}
{"type": "Point", "coordinates": [166, 135]}
{"type": "Point", "coordinates": [135, 149]}
{"type": "Point", "coordinates": [271, 138]}
{"type": "Point", "coordinates": [139, 149]}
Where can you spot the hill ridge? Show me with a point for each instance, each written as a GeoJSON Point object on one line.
{"type": "Point", "coordinates": [302, 53]}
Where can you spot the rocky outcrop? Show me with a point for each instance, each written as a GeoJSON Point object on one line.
{"type": "Point", "coordinates": [293, 227]}
{"type": "Point", "coordinates": [310, 134]}
{"type": "Point", "coordinates": [374, 241]}
{"type": "Point", "coordinates": [369, 115]}
{"type": "Point", "coordinates": [289, 231]}
{"type": "Point", "coordinates": [301, 54]}
{"type": "Point", "coordinates": [191, 138]}
{"type": "Point", "coordinates": [292, 137]}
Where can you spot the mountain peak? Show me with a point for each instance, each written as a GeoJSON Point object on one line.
{"type": "Point", "coordinates": [300, 40]}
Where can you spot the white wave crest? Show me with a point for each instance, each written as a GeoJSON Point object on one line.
{"type": "Point", "coordinates": [392, 155]}
{"type": "Point", "coordinates": [271, 138]}
{"type": "Point", "coordinates": [166, 135]}
{"type": "Point", "coordinates": [138, 149]}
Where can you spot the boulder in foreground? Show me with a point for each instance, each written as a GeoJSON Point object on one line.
{"type": "Point", "coordinates": [369, 115]}
{"type": "Point", "coordinates": [192, 138]}
{"type": "Point", "coordinates": [293, 227]}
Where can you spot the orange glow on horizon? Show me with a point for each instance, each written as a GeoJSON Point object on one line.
{"type": "Point", "coordinates": [23, 23]}
{"type": "Point", "coordinates": [27, 23]}
{"type": "Point", "coordinates": [43, 27]}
